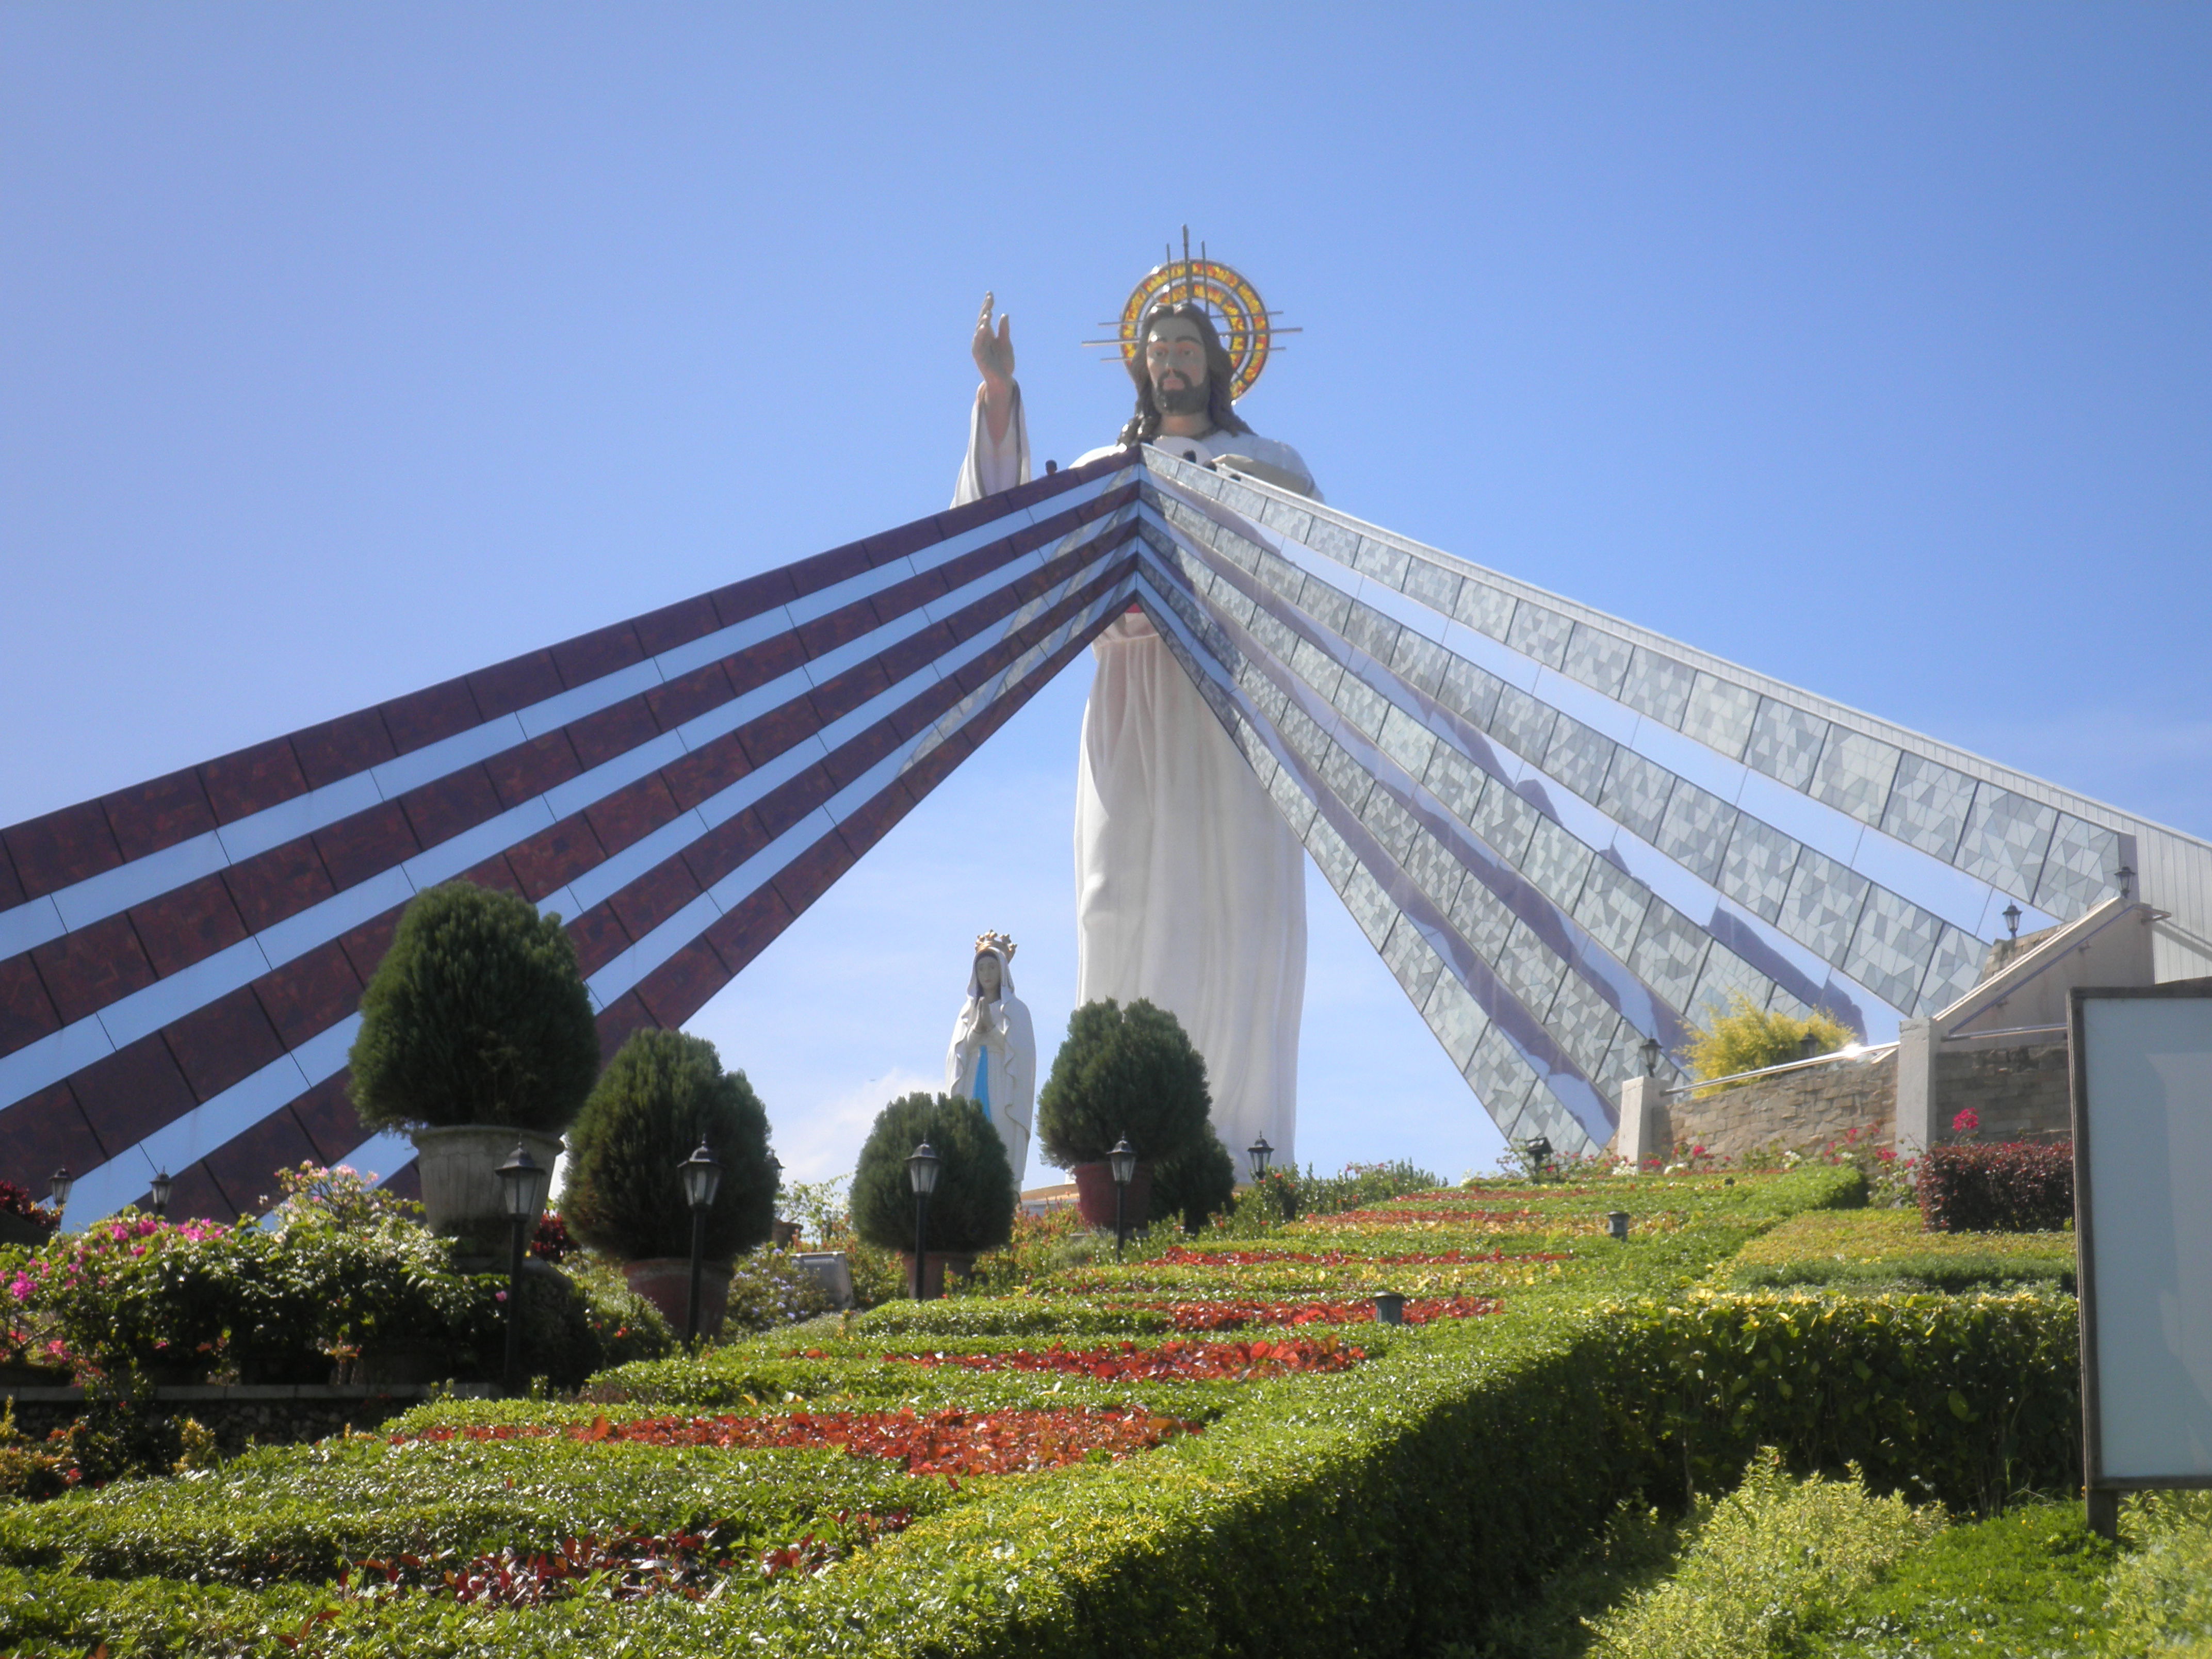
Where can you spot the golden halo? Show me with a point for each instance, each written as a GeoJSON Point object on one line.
{"type": "Point", "coordinates": [1238, 313]}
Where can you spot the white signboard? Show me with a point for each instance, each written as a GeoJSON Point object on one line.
{"type": "Point", "coordinates": [2142, 1152]}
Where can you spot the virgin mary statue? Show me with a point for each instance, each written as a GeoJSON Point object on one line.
{"type": "Point", "coordinates": [993, 1059]}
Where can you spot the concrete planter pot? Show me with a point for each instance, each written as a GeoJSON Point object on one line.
{"type": "Point", "coordinates": [401, 1364]}
{"type": "Point", "coordinates": [461, 1197]}
{"type": "Point", "coordinates": [1094, 1195]}
{"type": "Point", "coordinates": [836, 1274]}
{"type": "Point", "coordinates": [20, 1229]}
{"type": "Point", "coordinates": [934, 1267]}
{"type": "Point", "coordinates": [665, 1282]}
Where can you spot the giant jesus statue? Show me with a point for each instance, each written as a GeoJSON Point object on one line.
{"type": "Point", "coordinates": [1190, 888]}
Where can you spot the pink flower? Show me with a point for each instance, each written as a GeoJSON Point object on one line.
{"type": "Point", "coordinates": [499, 1295]}
{"type": "Point", "coordinates": [1966, 1122]}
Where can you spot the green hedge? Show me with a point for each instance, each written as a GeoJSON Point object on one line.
{"type": "Point", "coordinates": [1970, 1400]}
{"type": "Point", "coordinates": [1892, 1249]}
{"type": "Point", "coordinates": [1380, 1510]}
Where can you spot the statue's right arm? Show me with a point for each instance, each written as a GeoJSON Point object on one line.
{"type": "Point", "coordinates": [998, 443]}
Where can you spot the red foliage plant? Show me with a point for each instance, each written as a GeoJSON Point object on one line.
{"type": "Point", "coordinates": [1170, 1362]}
{"type": "Point", "coordinates": [1229, 1316]}
{"type": "Point", "coordinates": [1180, 1257]}
{"type": "Point", "coordinates": [629, 1568]}
{"type": "Point", "coordinates": [2013, 1186]}
{"type": "Point", "coordinates": [551, 1242]}
{"type": "Point", "coordinates": [932, 1442]}
{"type": "Point", "coordinates": [1399, 1215]}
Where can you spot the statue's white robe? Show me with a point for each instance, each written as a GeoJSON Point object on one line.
{"type": "Point", "coordinates": [1190, 888]}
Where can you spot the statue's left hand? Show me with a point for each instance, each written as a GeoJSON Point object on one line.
{"type": "Point", "coordinates": [1264, 473]}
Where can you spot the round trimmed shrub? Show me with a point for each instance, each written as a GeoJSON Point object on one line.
{"type": "Point", "coordinates": [1197, 1182]}
{"type": "Point", "coordinates": [1123, 1072]}
{"type": "Point", "coordinates": [973, 1207]}
{"type": "Point", "coordinates": [476, 1015]}
{"type": "Point", "coordinates": [658, 1098]}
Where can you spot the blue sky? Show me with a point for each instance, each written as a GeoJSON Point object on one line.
{"type": "Point", "coordinates": [346, 348]}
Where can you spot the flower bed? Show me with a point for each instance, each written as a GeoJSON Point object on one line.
{"type": "Point", "coordinates": [1378, 1498]}
{"type": "Point", "coordinates": [1170, 1361]}
{"type": "Point", "coordinates": [1181, 1257]}
{"type": "Point", "coordinates": [937, 1443]}
{"type": "Point", "coordinates": [1227, 1315]}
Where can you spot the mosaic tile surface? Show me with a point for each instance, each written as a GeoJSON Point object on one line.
{"type": "Point", "coordinates": [1756, 870]}
{"type": "Point", "coordinates": [1854, 775]}
{"type": "Point", "coordinates": [2006, 837]}
{"type": "Point", "coordinates": [1928, 804]}
{"type": "Point", "coordinates": [1658, 686]}
{"type": "Point", "coordinates": [1719, 715]}
{"type": "Point", "coordinates": [1785, 743]}
{"type": "Point", "coordinates": [1823, 904]}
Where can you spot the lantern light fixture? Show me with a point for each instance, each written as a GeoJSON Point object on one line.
{"type": "Point", "coordinates": [59, 1187]}
{"type": "Point", "coordinates": [702, 1177]}
{"type": "Point", "coordinates": [164, 1184]}
{"type": "Point", "coordinates": [1260, 1154]}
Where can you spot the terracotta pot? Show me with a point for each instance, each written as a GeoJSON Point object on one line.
{"type": "Point", "coordinates": [933, 1269]}
{"type": "Point", "coordinates": [1094, 1195]}
{"type": "Point", "coordinates": [460, 1166]}
{"type": "Point", "coordinates": [665, 1282]}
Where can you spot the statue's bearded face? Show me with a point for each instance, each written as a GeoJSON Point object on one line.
{"type": "Point", "coordinates": [1175, 361]}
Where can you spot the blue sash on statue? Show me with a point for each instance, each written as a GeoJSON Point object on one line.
{"type": "Point", "coordinates": [982, 1094]}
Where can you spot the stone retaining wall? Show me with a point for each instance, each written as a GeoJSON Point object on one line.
{"type": "Point", "coordinates": [2019, 1093]}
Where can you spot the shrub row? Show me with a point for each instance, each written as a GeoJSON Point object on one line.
{"type": "Point", "coordinates": [2012, 1186]}
{"type": "Point", "coordinates": [1891, 1248]}
{"type": "Point", "coordinates": [1969, 1400]}
{"type": "Point", "coordinates": [1353, 1512]}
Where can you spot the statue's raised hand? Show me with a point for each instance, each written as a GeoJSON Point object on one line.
{"type": "Point", "coordinates": [993, 351]}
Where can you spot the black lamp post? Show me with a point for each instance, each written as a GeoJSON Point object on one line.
{"type": "Point", "coordinates": [921, 1176]}
{"type": "Point", "coordinates": [1651, 1052]}
{"type": "Point", "coordinates": [2125, 875]}
{"type": "Point", "coordinates": [163, 1186]}
{"type": "Point", "coordinates": [2012, 913]}
{"type": "Point", "coordinates": [59, 1187]}
{"type": "Point", "coordinates": [1122, 1160]}
{"type": "Point", "coordinates": [1260, 1154]}
{"type": "Point", "coordinates": [703, 1179]}
{"type": "Point", "coordinates": [522, 1185]}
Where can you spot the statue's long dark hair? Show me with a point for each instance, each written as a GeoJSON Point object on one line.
{"type": "Point", "coordinates": [1145, 424]}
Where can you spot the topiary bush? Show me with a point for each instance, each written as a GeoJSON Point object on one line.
{"type": "Point", "coordinates": [661, 1096]}
{"type": "Point", "coordinates": [2013, 1186]}
{"type": "Point", "coordinates": [973, 1207]}
{"type": "Point", "coordinates": [1123, 1072]}
{"type": "Point", "coordinates": [476, 1015]}
{"type": "Point", "coordinates": [1195, 1184]}
{"type": "Point", "coordinates": [1749, 1038]}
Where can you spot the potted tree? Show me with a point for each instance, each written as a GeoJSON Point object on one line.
{"type": "Point", "coordinates": [972, 1208]}
{"type": "Point", "coordinates": [662, 1096]}
{"type": "Point", "coordinates": [1121, 1073]}
{"type": "Point", "coordinates": [476, 1034]}
{"type": "Point", "coordinates": [1197, 1182]}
